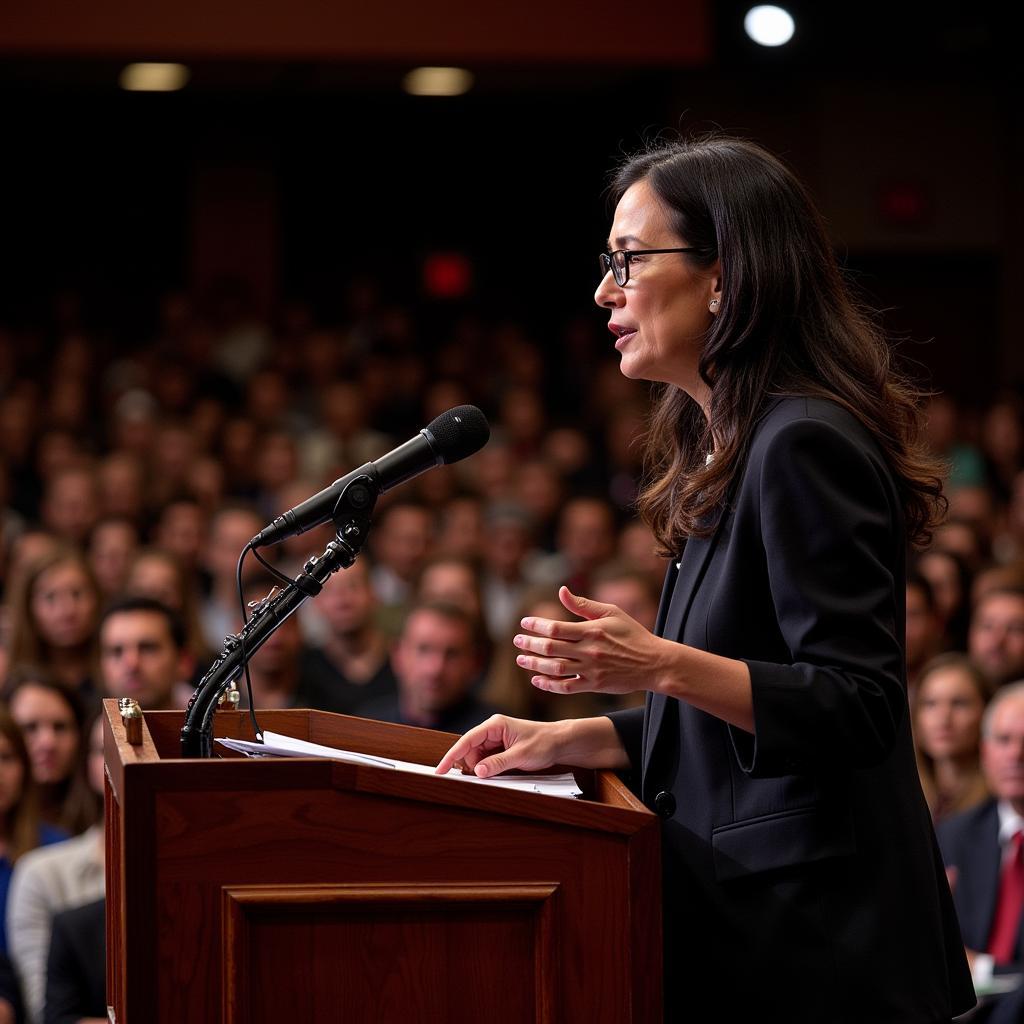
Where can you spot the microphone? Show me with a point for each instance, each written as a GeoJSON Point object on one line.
{"type": "Point", "coordinates": [452, 436]}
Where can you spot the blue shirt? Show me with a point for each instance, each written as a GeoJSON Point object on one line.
{"type": "Point", "coordinates": [47, 834]}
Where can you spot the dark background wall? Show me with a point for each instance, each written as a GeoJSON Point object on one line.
{"type": "Point", "coordinates": [294, 163]}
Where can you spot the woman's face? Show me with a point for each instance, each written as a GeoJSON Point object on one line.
{"type": "Point", "coordinates": [12, 776]}
{"type": "Point", "coordinates": [50, 732]}
{"type": "Point", "coordinates": [63, 605]}
{"type": "Point", "coordinates": [661, 316]}
{"type": "Point", "coordinates": [949, 713]}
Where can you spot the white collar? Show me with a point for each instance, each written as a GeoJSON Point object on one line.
{"type": "Point", "coordinates": [1010, 822]}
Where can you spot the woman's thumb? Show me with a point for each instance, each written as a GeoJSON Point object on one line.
{"type": "Point", "coordinates": [493, 765]}
{"type": "Point", "coordinates": [582, 606]}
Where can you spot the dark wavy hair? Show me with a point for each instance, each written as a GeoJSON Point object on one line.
{"type": "Point", "coordinates": [787, 325]}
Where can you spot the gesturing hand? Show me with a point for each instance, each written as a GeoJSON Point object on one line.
{"type": "Point", "coordinates": [608, 653]}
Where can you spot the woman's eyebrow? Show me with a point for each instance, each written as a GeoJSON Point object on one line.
{"type": "Point", "coordinates": [623, 240]}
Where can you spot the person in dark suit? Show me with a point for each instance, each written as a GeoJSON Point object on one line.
{"type": "Point", "coordinates": [76, 975]}
{"type": "Point", "coordinates": [802, 880]}
{"type": "Point", "coordinates": [978, 846]}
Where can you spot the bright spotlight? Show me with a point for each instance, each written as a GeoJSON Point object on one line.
{"type": "Point", "coordinates": [154, 77]}
{"type": "Point", "coordinates": [438, 81]}
{"type": "Point", "coordinates": [768, 25]}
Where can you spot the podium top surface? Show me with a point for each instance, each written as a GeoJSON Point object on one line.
{"type": "Point", "coordinates": [156, 764]}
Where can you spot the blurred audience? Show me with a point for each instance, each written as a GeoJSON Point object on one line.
{"type": "Point", "coordinates": [144, 654]}
{"type": "Point", "coordinates": [924, 627]}
{"type": "Point", "coordinates": [21, 829]}
{"type": "Point", "coordinates": [53, 619]}
{"type": "Point", "coordinates": [47, 881]}
{"type": "Point", "coordinates": [52, 719]}
{"type": "Point", "coordinates": [353, 652]}
{"type": "Point", "coordinates": [982, 847]}
{"type": "Point", "coordinates": [996, 638]}
{"type": "Point", "coordinates": [76, 976]}
{"type": "Point", "coordinates": [951, 697]}
{"type": "Point", "coordinates": [141, 471]}
{"type": "Point", "coordinates": [436, 661]}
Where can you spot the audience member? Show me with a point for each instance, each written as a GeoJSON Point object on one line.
{"type": "Point", "coordinates": [401, 541]}
{"type": "Point", "coordinates": [159, 575]}
{"type": "Point", "coordinates": [950, 580]}
{"type": "Point", "coordinates": [923, 628]}
{"type": "Point", "coordinates": [53, 619]}
{"type": "Point", "coordinates": [47, 881]}
{"type": "Point", "coordinates": [507, 543]}
{"type": "Point", "coordinates": [144, 655]}
{"type": "Point", "coordinates": [948, 706]}
{"type": "Point", "coordinates": [11, 1010]}
{"type": "Point", "coordinates": [284, 672]}
{"type": "Point", "coordinates": [230, 530]}
{"type": "Point", "coordinates": [586, 539]}
{"type": "Point", "coordinates": [112, 546]}
{"type": "Point", "coordinates": [76, 976]}
{"type": "Point", "coordinates": [996, 637]}
{"type": "Point", "coordinates": [20, 827]}
{"type": "Point", "coordinates": [52, 720]}
{"type": "Point", "coordinates": [71, 504]}
{"type": "Point", "coordinates": [982, 847]}
{"type": "Point", "coordinates": [353, 650]}
{"type": "Point", "coordinates": [436, 662]}
{"type": "Point", "coordinates": [181, 530]}
{"type": "Point", "coordinates": [452, 580]}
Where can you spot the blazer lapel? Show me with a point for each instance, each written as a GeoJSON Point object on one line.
{"type": "Point", "coordinates": [684, 580]}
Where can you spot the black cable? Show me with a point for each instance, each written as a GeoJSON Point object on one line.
{"type": "Point", "coordinates": [276, 573]}
{"type": "Point", "coordinates": [241, 636]}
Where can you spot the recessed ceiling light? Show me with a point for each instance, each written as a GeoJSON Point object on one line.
{"type": "Point", "coordinates": [154, 77]}
{"type": "Point", "coordinates": [438, 81]}
{"type": "Point", "coordinates": [768, 25]}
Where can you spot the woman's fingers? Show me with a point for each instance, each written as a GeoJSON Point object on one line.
{"type": "Point", "coordinates": [554, 628]}
{"type": "Point", "coordinates": [562, 668]}
{"type": "Point", "coordinates": [466, 744]}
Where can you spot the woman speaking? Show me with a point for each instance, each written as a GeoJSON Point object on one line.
{"type": "Point", "coordinates": [801, 878]}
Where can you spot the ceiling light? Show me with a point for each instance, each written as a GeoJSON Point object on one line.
{"type": "Point", "coordinates": [438, 81]}
{"type": "Point", "coordinates": [768, 25]}
{"type": "Point", "coordinates": [154, 77]}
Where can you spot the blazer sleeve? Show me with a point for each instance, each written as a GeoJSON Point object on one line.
{"type": "Point", "coordinates": [629, 724]}
{"type": "Point", "coordinates": [833, 538]}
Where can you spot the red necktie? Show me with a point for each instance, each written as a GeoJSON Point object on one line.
{"type": "Point", "coordinates": [1002, 944]}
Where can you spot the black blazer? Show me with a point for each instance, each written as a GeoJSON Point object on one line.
{"type": "Point", "coordinates": [970, 843]}
{"type": "Point", "coordinates": [802, 877]}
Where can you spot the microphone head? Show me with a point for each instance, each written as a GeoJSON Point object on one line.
{"type": "Point", "coordinates": [459, 432]}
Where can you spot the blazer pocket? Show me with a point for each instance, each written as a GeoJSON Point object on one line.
{"type": "Point", "coordinates": [785, 839]}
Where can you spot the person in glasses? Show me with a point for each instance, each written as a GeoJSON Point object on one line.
{"type": "Point", "coordinates": [801, 875]}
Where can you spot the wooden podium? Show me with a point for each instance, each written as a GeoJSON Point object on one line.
{"type": "Point", "coordinates": [246, 891]}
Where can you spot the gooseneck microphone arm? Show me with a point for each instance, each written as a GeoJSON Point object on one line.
{"type": "Point", "coordinates": [347, 503]}
{"type": "Point", "coordinates": [352, 520]}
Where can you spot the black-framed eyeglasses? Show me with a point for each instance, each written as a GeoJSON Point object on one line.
{"type": "Point", "coordinates": [618, 261]}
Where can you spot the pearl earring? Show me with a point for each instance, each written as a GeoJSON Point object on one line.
{"type": "Point", "coordinates": [713, 305]}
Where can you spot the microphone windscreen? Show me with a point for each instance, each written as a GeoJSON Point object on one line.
{"type": "Point", "coordinates": [459, 432]}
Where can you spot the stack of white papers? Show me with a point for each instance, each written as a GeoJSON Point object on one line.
{"type": "Point", "coordinates": [274, 744]}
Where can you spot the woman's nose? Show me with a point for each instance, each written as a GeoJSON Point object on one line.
{"type": "Point", "coordinates": [609, 295]}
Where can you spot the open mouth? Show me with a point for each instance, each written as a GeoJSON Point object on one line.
{"type": "Point", "coordinates": [622, 334]}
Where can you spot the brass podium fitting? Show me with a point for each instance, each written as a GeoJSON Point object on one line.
{"type": "Point", "coordinates": [131, 718]}
{"type": "Point", "coordinates": [228, 700]}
